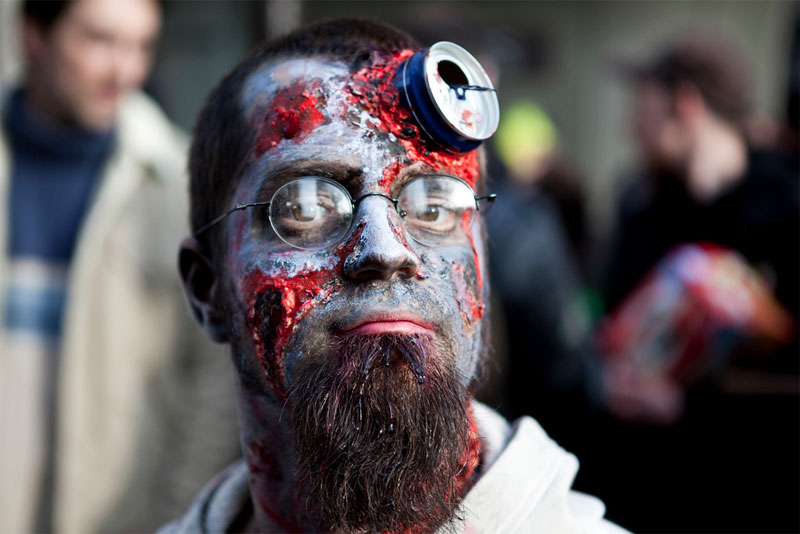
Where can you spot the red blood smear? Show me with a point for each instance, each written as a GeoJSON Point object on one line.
{"type": "Point", "coordinates": [471, 308]}
{"type": "Point", "coordinates": [466, 118]}
{"type": "Point", "coordinates": [265, 471]}
{"type": "Point", "coordinates": [471, 460]}
{"type": "Point", "coordinates": [372, 89]}
{"type": "Point", "coordinates": [472, 457]}
{"type": "Point", "coordinates": [293, 114]}
{"type": "Point", "coordinates": [466, 226]}
{"type": "Point", "coordinates": [298, 294]}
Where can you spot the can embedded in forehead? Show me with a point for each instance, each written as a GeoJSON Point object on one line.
{"type": "Point", "coordinates": [450, 96]}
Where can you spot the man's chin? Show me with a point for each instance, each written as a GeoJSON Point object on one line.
{"type": "Point", "coordinates": [382, 432]}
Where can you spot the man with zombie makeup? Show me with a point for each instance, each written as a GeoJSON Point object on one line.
{"type": "Point", "coordinates": [339, 250]}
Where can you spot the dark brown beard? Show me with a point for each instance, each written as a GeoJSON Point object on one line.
{"type": "Point", "coordinates": [382, 433]}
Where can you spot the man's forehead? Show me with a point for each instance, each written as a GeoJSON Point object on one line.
{"type": "Point", "coordinates": [317, 108]}
{"type": "Point", "coordinates": [303, 109]}
{"type": "Point", "coordinates": [282, 73]}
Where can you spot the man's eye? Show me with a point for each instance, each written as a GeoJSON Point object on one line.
{"type": "Point", "coordinates": [98, 37]}
{"type": "Point", "coordinates": [433, 217]}
{"type": "Point", "coordinates": [306, 212]}
{"type": "Point", "coordinates": [429, 214]}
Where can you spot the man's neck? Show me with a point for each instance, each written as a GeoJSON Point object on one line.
{"type": "Point", "coordinates": [271, 457]}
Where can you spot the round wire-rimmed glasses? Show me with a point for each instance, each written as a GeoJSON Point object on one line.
{"type": "Point", "coordinates": [314, 212]}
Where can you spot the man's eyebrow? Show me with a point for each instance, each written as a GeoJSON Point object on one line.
{"type": "Point", "coordinates": [413, 171]}
{"type": "Point", "coordinates": [343, 173]}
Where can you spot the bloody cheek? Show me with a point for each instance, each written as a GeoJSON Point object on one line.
{"type": "Point", "coordinates": [277, 302]}
{"type": "Point", "coordinates": [470, 303]}
{"type": "Point", "coordinates": [372, 89]}
{"type": "Point", "coordinates": [470, 296]}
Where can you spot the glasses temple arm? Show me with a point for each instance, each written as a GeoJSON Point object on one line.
{"type": "Point", "coordinates": [489, 198]}
{"type": "Point", "coordinates": [215, 220]}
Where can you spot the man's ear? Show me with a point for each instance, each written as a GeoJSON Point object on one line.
{"type": "Point", "coordinates": [200, 283]}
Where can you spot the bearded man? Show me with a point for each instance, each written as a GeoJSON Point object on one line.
{"type": "Point", "coordinates": [338, 249]}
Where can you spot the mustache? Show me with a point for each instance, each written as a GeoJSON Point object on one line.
{"type": "Point", "coordinates": [382, 431]}
{"type": "Point", "coordinates": [387, 349]}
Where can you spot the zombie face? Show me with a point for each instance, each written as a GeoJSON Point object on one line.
{"type": "Point", "coordinates": [316, 118]}
{"type": "Point", "coordinates": [367, 342]}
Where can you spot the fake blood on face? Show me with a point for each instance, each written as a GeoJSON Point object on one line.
{"type": "Point", "coordinates": [472, 457]}
{"type": "Point", "coordinates": [373, 90]}
{"type": "Point", "coordinates": [293, 114]}
{"type": "Point", "coordinates": [469, 304]}
{"type": "Point", "coordinates": [276, 303]}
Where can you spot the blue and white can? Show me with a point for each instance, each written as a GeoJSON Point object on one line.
{"type": "Point", "coordinates": [450, 96]}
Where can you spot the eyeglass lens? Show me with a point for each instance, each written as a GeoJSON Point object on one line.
{"type": "Point", "coordinates": [315, 212]}
{"type": "Point", "coordinates": [311, 212]}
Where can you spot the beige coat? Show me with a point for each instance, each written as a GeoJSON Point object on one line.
{"type": "Point", "coordinates": [145, 410]}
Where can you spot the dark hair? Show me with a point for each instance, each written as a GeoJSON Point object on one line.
{"type": "Point", "coordinates": [221, 135]}
{"type": "Point", "coordinates": [710, 64]}
{"type": "Point", "coordinates": [44, 13]}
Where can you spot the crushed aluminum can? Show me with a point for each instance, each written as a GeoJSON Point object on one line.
{"type": "Point", "coordinates": [450, 96]}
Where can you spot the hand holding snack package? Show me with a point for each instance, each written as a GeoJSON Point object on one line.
{"type": "Point", "coordinates": [700, 307]}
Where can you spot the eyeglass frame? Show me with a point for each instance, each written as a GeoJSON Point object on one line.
{"type": "Point", "coordinates": [490, 198]}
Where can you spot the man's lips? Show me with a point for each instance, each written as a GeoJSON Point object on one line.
{"type": "Point", "coordinates": [387, 323]}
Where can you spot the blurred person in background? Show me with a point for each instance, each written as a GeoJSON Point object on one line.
{"type": "Point", "coordinates": [700, 181]}
{"type": "Point", "coordinates": [528, 146]}
{"type": "Point", "coordinates": [105, 386]}
{"type": "Point", "coordinates": [551, 371]}
{"type": "Point", "coordinates": [706, 343]}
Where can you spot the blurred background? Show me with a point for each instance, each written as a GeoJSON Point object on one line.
{"type": "Point", "coordinates": [651, 328]}
{"type": "Point", "coordinates": [558, 53]}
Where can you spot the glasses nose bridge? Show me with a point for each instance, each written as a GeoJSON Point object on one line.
{"type": "Point", "coordinates": [381, 251]}
{"type": "Point", "coordinates": [392, 200]}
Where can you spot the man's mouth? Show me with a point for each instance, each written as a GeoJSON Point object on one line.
{"type": "Point", "coordinates": [386, 323]}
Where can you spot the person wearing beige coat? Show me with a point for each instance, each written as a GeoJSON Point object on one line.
{"type": "Point", "coordinates": [143, 409]}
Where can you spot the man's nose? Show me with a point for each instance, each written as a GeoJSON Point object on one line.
{"type": "Point", "coordinates": [380, 253]}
